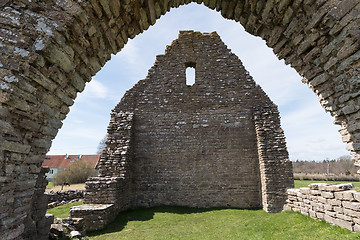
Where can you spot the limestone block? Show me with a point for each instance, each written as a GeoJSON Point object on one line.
{"type": "Point", "coordinates": [322, 199]}
{"type": "Point", "coordinates": [328, 195]}
{"type": "Point", "coordinates": [356, 196]}
{"type": "Point", "coordinates": [287, 207]}
{"type": "Point", "coordinates": [319, 207]}
{"type": "Point", "coordinates": [349, 195]}
{"type": "Point", "coordinates": [293, 191]}
{"type": "Point", "coordinates": [338, 209]}
{"type": "Point", "coordinates": [292, 198]}
{"type": "Point", "coordinates": [345, 224]}
{"type": "Point", "coordinates": [329, 219]}
{"type": "Point", "coordinates": [296, 209]}
{"type": "Point", "coordinates": [356, 220]}
{"type": "Point", "coordinates": [356, 228]}
{"type": "Point", "coordinates": [351, 205]}
{"type": "Point", "coordinates": [312, 214]}
{"type": "Point", "coordinates": [344, 217]}
{"type": "Point", "coordinates": [339, 195]}
{"type": "Point", "coordinates": [351, 213]}
{"type": "Point", "coordinates": [328, 207]}
{"type": "Point", "coordinates": [320, 215]}
{"type": "Point", "coordinates": [339, 222]}
{"type": "Point", "coordinates": [330, 213]}
{"type": "Point", "coordinates": [339, 187]}
{"type": "Point", "coordinates": [316, 186]}
{"type": "Point", "coordinates": [305, 190]}
{"type": "Point", "coordinates": [334, 202]}
{"type": "Point", "coordinates": [315, 192]}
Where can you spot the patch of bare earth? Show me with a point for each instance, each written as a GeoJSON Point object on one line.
{"type": "Point", "coordinates": [80, 186]}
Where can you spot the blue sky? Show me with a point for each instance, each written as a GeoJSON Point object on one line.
{"type": "Point", "coordinates": [310, 133]}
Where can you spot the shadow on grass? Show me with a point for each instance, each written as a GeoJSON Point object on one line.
{"type": "Point", "coordinates": [146, 214]}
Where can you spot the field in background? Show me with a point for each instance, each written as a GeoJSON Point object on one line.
{"type": "Point", "coordinates": [51, 187]}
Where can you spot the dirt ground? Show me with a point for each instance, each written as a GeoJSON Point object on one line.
{"type": "Point", "coordinates": [80, 186]}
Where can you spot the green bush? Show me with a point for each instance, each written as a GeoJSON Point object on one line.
{"type": "Point", "coordinates": [78, 172]}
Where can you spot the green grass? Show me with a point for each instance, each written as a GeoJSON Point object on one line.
{"type": "Point", "coordinates": [64, 210]}
{"type": "Point", "coordinates": [189, 223]}
{"type": "Point", "coordinates": [167, 223]}
{"type": "Point", "coordinates": [305, 183]}
{"type": "Point", "coordinates": [50, 185]}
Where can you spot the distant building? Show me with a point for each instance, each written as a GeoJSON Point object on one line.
{"type": "Point", "coordinates": [58, 163]}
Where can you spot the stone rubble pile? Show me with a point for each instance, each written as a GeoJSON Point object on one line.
{"type": "Point", "coordinates": [336, 204]}
{"type": "Point", "coordinates": [67, 227]}
{"type": "Point", "coordinates": [62, 197]}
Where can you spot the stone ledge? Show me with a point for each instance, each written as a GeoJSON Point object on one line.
{"type": "Point", "coordinates": [96, 216]}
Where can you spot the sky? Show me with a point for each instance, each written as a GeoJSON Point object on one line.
{"type": "Point", "coordinates": [309, 130]}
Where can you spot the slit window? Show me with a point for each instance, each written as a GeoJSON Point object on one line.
{"type": "Point", "coordinates": [190, 74]}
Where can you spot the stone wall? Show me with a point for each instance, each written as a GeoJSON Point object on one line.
{"type": "Point", "coordinates": [335, 204]}
{"type": "Point", "coordinates": [50, 49]}
{"type": "Point", "coordinates": [61, 197]}
{"type": "Point", "coordinates": [197, 145]}
{"type": "Point", "coordinates": [37, 224]}
{"type": "Point", "coordinates": [217, 143]}
{"type": "Point", "coordinates": [275, 168]}
{"type": "Point", "coordinates": [108, 193]}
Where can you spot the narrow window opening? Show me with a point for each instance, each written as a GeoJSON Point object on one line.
{"type": "Point", "coordinates": [190, 74]}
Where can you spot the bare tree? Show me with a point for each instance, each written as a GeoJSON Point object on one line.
{"type": "Point", "coordinates": [102, 145]}
{"type": "Point", "coordinates": [341, 165]}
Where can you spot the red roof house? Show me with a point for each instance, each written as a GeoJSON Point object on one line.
{"type": "Point", "coordinates": [58, 163]}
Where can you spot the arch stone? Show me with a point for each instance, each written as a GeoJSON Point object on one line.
{"type": "Point", "coordinates": [50, 49]}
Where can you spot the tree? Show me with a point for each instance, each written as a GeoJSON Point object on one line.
{"type": "Point", "coordinates": [78, 172]}
{"type": "Point", "coordinates": [102, 145]}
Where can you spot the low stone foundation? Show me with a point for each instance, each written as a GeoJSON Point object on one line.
{"type": "Point", "coordinates": [96, 216]}
{"type": "Point", "coordinates": [62, 197]}
{"type": "Point", "coordinates": [336, 204]}
{"type": "Point", "coordinates": [104, 199]}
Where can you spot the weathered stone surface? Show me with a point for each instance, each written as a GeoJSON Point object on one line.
{"type": "Point", "coordinates": [349, 195]}
{"type": "Point", "coordinates": [64, 196]}
{"type": "Point", "coordinates": [319, 39]}
{"type": "Point", "coordinates": [37, 224]}
{"type": "Point", "coordinates": [170, 143]}
{"type": "Point", "coordinates": [335, 204]}
{"type": "Point", "coordinates": [96, 216]}
{"type": "Point", "coordinates": [328, 195]}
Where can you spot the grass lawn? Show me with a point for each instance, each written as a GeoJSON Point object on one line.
{"type": "Point", "coordinates": [189, 223]}
{"type": "Point", "coordinates": [50, 185]}
{"type": "Point", "coordinates": [63, 211]}
{"type": "Point", "coordinates": [305, 183]}
{"type": "Point", "coordinates": [212, 224]}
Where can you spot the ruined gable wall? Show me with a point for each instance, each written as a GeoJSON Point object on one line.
{"type": "Point", "coordinates": [195, 145]}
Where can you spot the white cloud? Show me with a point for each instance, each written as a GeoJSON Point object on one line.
{"type": "Point", "coordinates": [130, 53]}
{"type": "Point", "coordinates": [93, 90]}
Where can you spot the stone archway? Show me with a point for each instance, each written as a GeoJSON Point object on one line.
{"type": "Point", "coordinates": [49, 49]}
